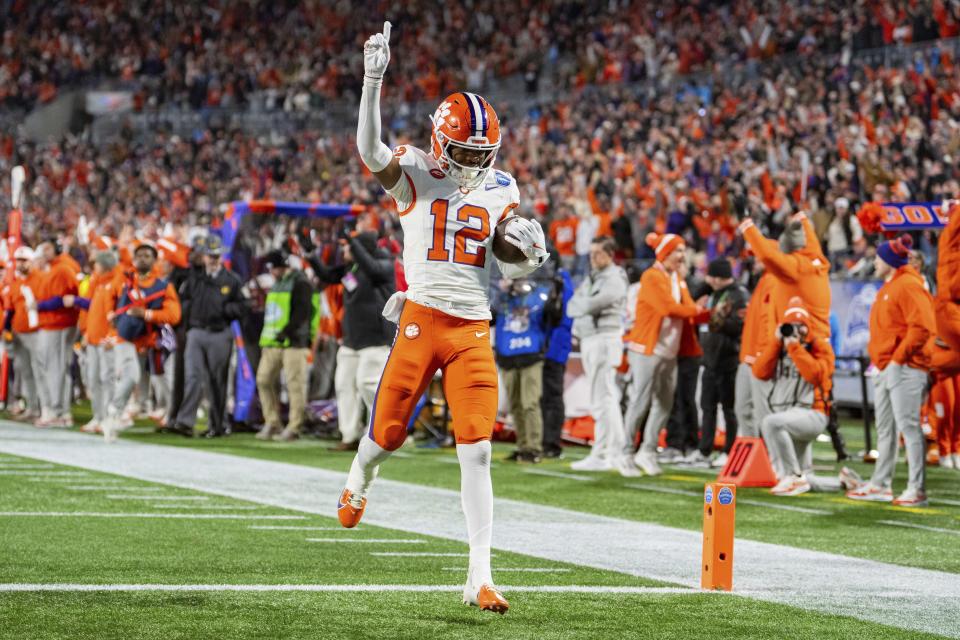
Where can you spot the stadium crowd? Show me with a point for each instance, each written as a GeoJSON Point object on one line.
{"type": "Point", "coordinates": [187, 54]}
{"type": "Point", "coordinates": [817, 137]}
{"type": "Point", "coordinates": [122, 255]}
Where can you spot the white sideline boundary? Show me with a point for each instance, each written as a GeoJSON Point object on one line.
{"type": "Point", "coordinates": [341, 588]}
{"type": "Point", "coordinates": [925, 600]}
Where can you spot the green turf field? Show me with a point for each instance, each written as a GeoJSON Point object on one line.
{"type": "Point", "coordinates": [250, 545]}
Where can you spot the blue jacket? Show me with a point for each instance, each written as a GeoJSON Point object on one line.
{"type": "Point", "coordinates": [559, 344]}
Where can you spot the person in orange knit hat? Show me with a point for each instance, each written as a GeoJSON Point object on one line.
{"type": "Point", "coordinates": [664, 305]}
{"type": "Point", "coordinates": [143, 302]}
{"type": "Point", "coordinates": [800, 366]}
{"type": "Point", "coordinates": [901, 323]}
{"type": "Point", "coordinates": [799, 267]}
{"type": "Point", "coordinates": [99, 335]}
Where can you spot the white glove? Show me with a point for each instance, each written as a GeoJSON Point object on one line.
{"type": "Point", "coordinates": [527, 236]}
{"type": "Point", "coordinates": [376, 54]}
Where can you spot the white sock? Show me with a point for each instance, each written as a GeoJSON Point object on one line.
{"type": "Point", "coordinates": [476, 494]}
{"type": "Point", "coordinates": [365, 465]}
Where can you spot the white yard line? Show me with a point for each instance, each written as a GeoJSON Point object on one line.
{"type": "Point", "coordinates": [752, 503]}
{"type": "Point", "coordinates": [894, 523]}
{"type": "Point", "coordinates": [104, 482]}
{"type": "Point", "coordinates": [513, 569]}
{"type": "Point", "coordinates": [414, 554]}
{"type": "Point", "coordinates": [41, 474]}
{"type": "Point", "coordinates": [558, 474]}
{"type": "Point", "coordinates": [831, 583]}
{"type": "Point", "coordinates": [4, 465]}
{"type": "Point", "coordinates": [162, 498]}
{"type": "Point", "coordinates": [339, 588]}
{"type": "Point", "coordinates": [109, 487]}
{"type": "Point", "coordinates": [209, 507]}
{"type": "Point", "coordinates": [181, 516]}
{"type": "Point", "coordinates": [952, 503]}
{"type": "Point", "coordinates": [295, 528]}
{"type": "Point", "coordinates": [370, 540]}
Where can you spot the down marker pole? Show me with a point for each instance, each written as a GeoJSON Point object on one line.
{"type": "Point", "coordinates": [719, 511]}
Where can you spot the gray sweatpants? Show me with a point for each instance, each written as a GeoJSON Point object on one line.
{"type": "Point", "coordinates": [51, 370]}
{"type": "Point", "coordinates": [789, 436]}
{"type": "Point", "coordinates": [206, 365]}
{"type": "Point", "coordinates": [898, 395]}
{"type": "Point", "coordinates": [743, 402]}
{"type": "Point", "coordinates": [653, 384]}
{"type": "Point", "coordinates": [760, 400]}
{"type": "Point", "coordinates": [100, 373]}
{"type": "Point", "coordinates": [601, 355]}
{"type": "Point", "coordinates": [126, 376]}
{"type": "Point", "coordinates": [23, 369]}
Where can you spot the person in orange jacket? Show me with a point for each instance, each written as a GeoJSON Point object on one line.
{"type": "Point", "coordinates": [942, 414]}
{"type": "Point", "coordinates": [143, 302]}
{"type": "Point", "coordinates": [23, 325]}
{"type": "Point", "coordinates": [750, 393]}
{"type": "Point", "coordinates": [945, 358]}
{"type": "Point", "coordinates": [664, 307]}
{"type": "Point", "coordinates": [99, 335]}
{"type": "Point", "coordinates": [57, 278]}
{"type": "Point", "coordinates": [901, 323]}
{"type": "Point", "coordinates": [800, 367]}
{"type": "Point", "coordinates": [799, 268]}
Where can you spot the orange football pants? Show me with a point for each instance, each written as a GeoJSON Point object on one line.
{"type": "Point", "coordinates": [428, 340]}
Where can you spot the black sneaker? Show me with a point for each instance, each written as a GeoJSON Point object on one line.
{"type": "Point", "coordinates": [528, 457]}
{"type": "Point", "coordinates": [553, 453]}
{"type": "Point", "coordinates": [513, 457]}
{"type": "Point", "coordinates": [181, 429]}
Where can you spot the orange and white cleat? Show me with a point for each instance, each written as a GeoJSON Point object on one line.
{"type": "Point", "coordinates": [350, 509]}
{"type": "Point", "coordinates": [487, 597]}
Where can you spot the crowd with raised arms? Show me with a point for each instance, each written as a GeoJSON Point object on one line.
{"type": "Point", "coordinates": [220, 53]}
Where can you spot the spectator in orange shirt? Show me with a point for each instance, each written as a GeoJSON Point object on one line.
{"type": "Point", "coordinates": [23, 324]}
{"type": "Point", "coordinates": [901, 323]}
{"type": "Point", "coordinates": [563, 233]}
{"type": "Point", "coordinates": [99, 335]}
{"type": "Point", "coordinates": [144, 302]}
{"type": "Point", "coordinates": [58, 330]}
{"type": "Point", "coordinates": [664, 306]}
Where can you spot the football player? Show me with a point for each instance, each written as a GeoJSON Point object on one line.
{"type": "Point", "coordinates": [456, 211]}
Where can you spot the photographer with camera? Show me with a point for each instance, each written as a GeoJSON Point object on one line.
{"type": "Point", "coordinates": [800, 367]}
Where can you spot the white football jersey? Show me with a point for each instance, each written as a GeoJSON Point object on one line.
{"type": "Point", "coordinates": [448, 233]}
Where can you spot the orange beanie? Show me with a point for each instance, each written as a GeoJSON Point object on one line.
{"type": "Point", "coordinates": [663, 244]}
{"type": "Point", "coordinates": [796, 312]}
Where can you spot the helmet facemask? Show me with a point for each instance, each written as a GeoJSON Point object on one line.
{"type": "Point", "coordinates": [467, 177]}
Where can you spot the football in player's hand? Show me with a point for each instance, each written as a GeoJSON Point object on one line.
{"type": "Point", "coordinates": [504, 250]}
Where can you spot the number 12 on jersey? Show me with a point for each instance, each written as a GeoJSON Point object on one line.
{"type": "Point", "coordinates": [469, 215]}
